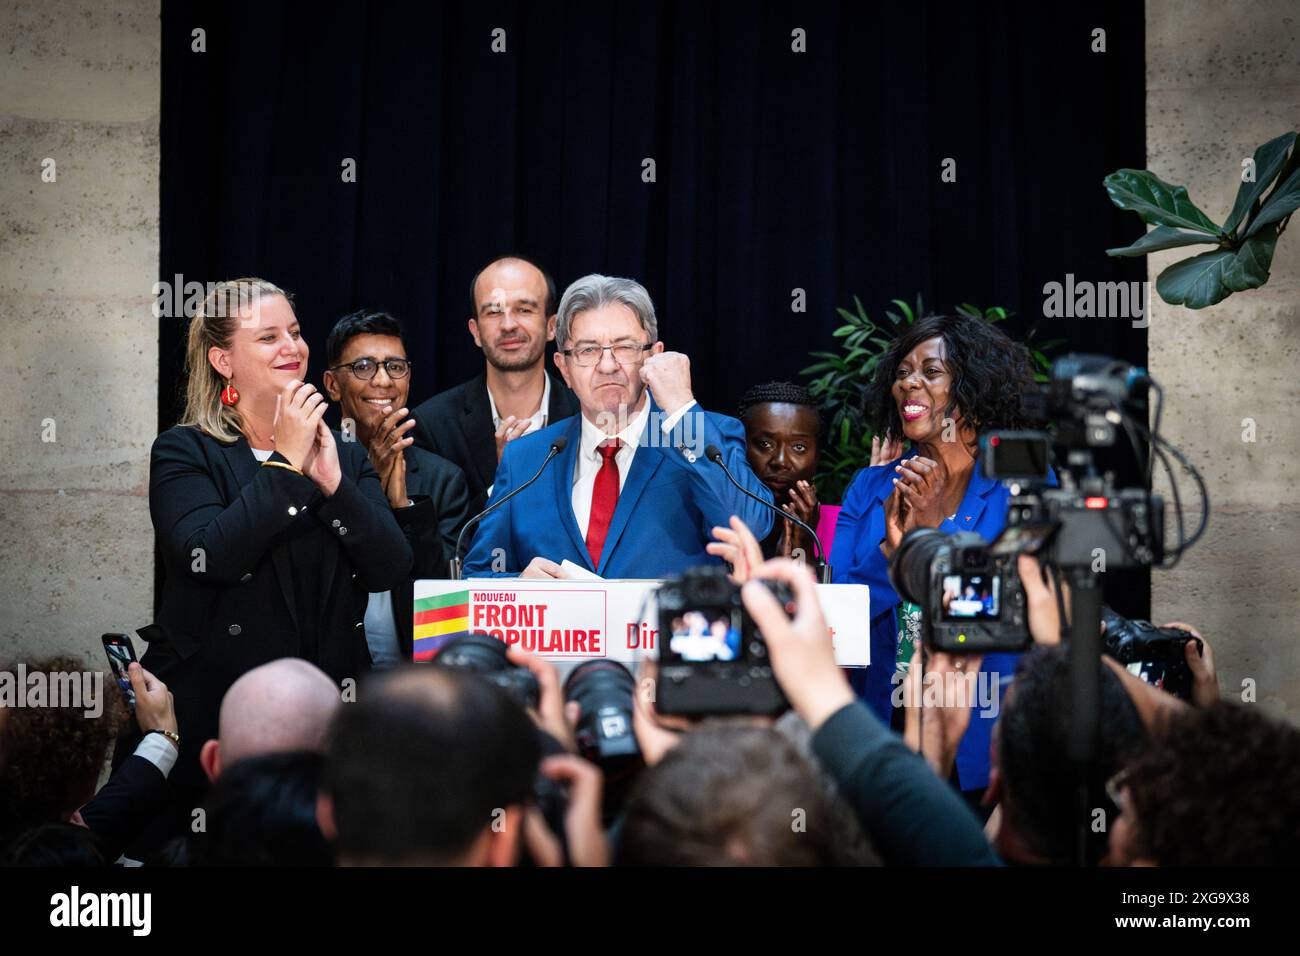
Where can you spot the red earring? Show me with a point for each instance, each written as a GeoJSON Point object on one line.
{"type": "Point", "coordinates": [229, 396]}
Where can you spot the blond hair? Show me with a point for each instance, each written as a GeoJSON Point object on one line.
{"type": "Point", "coordinates": [213, 326]}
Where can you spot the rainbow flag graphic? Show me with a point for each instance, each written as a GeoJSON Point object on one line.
{"type": "Point", "coordinates": [436, 619]}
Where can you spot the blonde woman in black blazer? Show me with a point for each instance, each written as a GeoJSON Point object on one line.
{"type": "Point", "coordinates": [271, 528]}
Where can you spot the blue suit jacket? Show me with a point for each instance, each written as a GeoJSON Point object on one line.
{"type": "Point", "coordinates": [856, 559]}
{"type": "Point", "coordinates": [672, 498]}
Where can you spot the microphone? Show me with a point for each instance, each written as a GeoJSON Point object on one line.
{"type": "Point", "coordinates": [557, 446]}
{"type": "Point", "coordinates": [715, 455]}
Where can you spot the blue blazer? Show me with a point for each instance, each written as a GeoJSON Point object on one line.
{"type": "Point", "coordinates": [856, 559]}
{"type": "Point", "coordinates": [672, 498]}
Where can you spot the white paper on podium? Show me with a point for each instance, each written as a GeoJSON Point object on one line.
{"type": "Point", "coordinates": [576, 572]}
{"type": "Point", "coordinates": [570, 620]}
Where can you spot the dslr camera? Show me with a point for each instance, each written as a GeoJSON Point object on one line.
{"type": "Point", "coordinates": [1155, 654]}
{"type": "Point", "coordinates": [712, 659]}
{"type": "Point", "coordinates": [969, 590]}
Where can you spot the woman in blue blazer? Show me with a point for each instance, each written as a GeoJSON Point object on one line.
{"type": "Point", "coordinates": [942, 383]}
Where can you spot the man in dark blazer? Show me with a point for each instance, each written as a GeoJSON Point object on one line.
{"type": "Point", "coordinates": [513, 306]}
{"type": "Point", "coordinates": [369, 376]}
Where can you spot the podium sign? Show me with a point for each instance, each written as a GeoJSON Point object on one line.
{"type": "Point", "coordinates": [574, 621]}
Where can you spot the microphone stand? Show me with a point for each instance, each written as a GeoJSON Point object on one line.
{"type": "Point", "coordinates": [823, 566]}
{"type": "Point", "coordinates": [456, 565]}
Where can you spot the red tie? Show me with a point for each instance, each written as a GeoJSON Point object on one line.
{"type": "Point", "coordinates": [604, 499]}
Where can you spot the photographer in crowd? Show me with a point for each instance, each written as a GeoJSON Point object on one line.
{"type": "Point", "coordinates": [54, 754]}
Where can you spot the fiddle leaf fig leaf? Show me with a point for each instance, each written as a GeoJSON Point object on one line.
{"type": "Point", "coordinates": [1156, 201]}
{"type": "Point", "coordinates": [1161, 237]}
{"type": "Point", "coordinates": [1269, 160]}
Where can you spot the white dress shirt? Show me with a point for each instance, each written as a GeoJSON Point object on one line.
{"type": "Point", "coordinates": [537, 419]}
{"type": "Point", "coordinates": [590, 459]}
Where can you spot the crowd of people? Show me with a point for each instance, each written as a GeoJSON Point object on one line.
{"type": "Point", "coordinates": [278, 717]}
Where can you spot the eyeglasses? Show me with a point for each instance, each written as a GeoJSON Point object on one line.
{"type": "Point", "coordinates": [589, 355]}
{"type": "Point", "coordinates": [365, 368]}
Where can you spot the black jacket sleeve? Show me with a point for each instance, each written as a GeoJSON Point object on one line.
{"type": "Point", "coordinates": [133, 796]}
{"type": "Point", "coordinates": [202, 536]}
{"type": "Point", "coordinates": [359, 515]}
{"type": "Point", "coordinates": [912, 817]}
{"type": "Point", "coordinates": [432, 523]}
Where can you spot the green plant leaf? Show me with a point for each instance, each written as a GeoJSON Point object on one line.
{"type": "Point", "coordinates": [998, 313]}
{"type": "Point", "coordinates": [848, 316]}
{"type": "Point", "coordinates": [842, 331]}
{"type": "Point", "coordinates": [1161, 237]}
{"type": "Point", "coordinates": [1157, 202]}
{"type": "Point", "coordinates": [1269, 159]}
{"type": "Point", "coordinates": [905, 309]}
{"type": "Point", "coordinates": [1281, 202]}
{"type": "Point", "coordinates": [1198, 281]}
{"type": "Point", "coordinates": [861, 311]}
{"type": "Point", "coordinates": [1249, 267]}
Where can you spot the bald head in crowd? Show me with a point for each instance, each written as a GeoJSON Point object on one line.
{"type": "Point", "coordinates": [281, 706]}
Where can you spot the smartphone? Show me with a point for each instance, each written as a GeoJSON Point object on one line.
{"type": "Point", "coordinates": [120, 656]}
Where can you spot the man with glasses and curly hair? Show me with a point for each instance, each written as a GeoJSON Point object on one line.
{"type": "Point", "coordinates": [369, 376]}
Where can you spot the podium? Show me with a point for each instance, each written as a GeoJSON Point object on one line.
{"type": "Point", "coordinates": [573, 621]}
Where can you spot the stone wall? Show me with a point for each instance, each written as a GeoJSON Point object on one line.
{"type": "Point", "coordinates": [1223, 78]}
{"type": "Point", "coordinates": [79, 85]}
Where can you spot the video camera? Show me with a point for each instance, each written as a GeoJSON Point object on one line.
{"type": "Point", "coordinates": [969, 589]}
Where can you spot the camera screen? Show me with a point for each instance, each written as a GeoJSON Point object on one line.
{"type": "Point", "coordinates": [1024, 538]}
{"type": "Point", "coordinates": [705, 636]}
{"type": "Point", "coordinates": [1019, 457]}
{"type": "Point", "coordinates": [971, 596]}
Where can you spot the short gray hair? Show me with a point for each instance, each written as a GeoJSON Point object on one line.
{"type": "Point", "coordinates": [596, 291]}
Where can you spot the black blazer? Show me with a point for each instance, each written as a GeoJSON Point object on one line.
{"type": "Point", "coordinates": [431, 524]}
{"type": "Point", "coordinates": [457, 424]}
{"type": "Point", "coordinates": [224, 526]}
{"type": "Point", "coordinates": [133, 796]}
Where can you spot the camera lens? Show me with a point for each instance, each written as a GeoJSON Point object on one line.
{"type": "Point", "coordinates": [909, 571]}
{"type": "Point", "coordinates": [486, 656]}
{"type": "Point", "coordinates": [603, 691]}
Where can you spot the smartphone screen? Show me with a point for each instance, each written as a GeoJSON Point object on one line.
{"type": "Point", "coordinates": [120, 655]}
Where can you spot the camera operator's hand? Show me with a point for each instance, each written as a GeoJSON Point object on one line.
{"type": "Point", "coordinates": [656, 734]}
{"type": "Point", "coordinates": [943, 726]}
{"type": "Point", "coordinates": [1205, 679]}
{"type": "Point", "coordinates": [588, 845]}
{"type": "Point", "coordinates": [1154, 706]}
{"type": "Point", "coordinates": [803, 656]}
{"type": "Point", "coordinates": [551, 713]}
{"type": "Point", "coordinates": [738, 547]}
{"type": "Point", "coordinates": [1040, 598]}
{"type": "Point", "coordinates": [155, 708]}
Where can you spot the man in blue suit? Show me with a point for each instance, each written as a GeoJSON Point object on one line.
{"type": "Point", "coordinates": [632, 494]}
